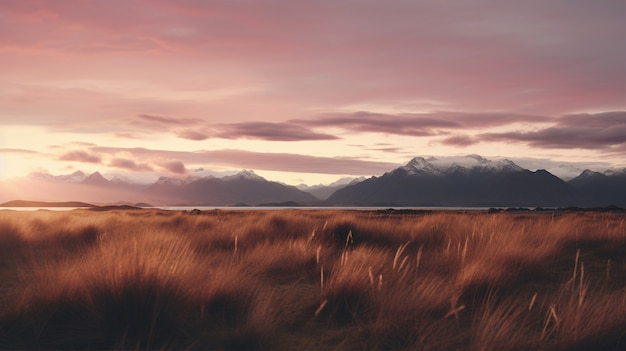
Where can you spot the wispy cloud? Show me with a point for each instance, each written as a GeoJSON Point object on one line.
{"type": "Point", "coordinates": [583, 131]}
{"type": "Point", "coordinates": [123, 72]}
{"type": "Point", "coordinates": [459, 140]}
{"type": "Point", "coordinates": [130, 165]}
{"type": "Point", "coordinates": [420, 125]}
{"type": "Point", "coordinates": [176, 167]}
{"type": "Point", "coordinates": [80, 156]}
{"type": "Point", "coordinates": [194, 134]}
{"type": "Point", "coordinates": [18, 151]}
{"type": "Point", "coordinates": [285, 162]}
{"type": "Point", "coordinates": [161, 123]}
{"type": "Point", "coordinates": [288, 131]}
{"type": "Point", "coordinates": [403, 124]}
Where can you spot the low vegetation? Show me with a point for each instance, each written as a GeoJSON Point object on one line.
{"type": "Point", "coordinates": [312, 280]}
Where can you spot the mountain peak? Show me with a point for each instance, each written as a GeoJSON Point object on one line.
{"type": "Point", "coordinates": [169, 181]}
{"type": "Point", "coordinates": [96, 175]}
{"type": "Point", "coordinates": [95, 178]}
{"type": "Point", "coordinates": [478, 158]}
{"type": "Point", "coordinates": [589, 173]}
{"type": "Point", "coordinates": [504, 165]}
{"type": "Point", "coordinates": [75, 177]}
{"type": "Point", "coordinates": [419, 165]}
{"type": "Point", "coordinates": [446, 165]}
{"type": "Point", "coordinates": [78, 174]}
{"type": "Point", "coordinates": [244, 174]}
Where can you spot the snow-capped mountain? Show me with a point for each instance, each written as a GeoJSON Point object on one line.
{"type": "Point", "coordinates": [465, 181]}
{"type": "Point", "coordinates": [442, 166]}
{"type": "Point", "coordinates": [424, 181]}
{"type": "Point", "coordinates": [601, 188]}
{"type": "Point", "coordinates": [168, 181]}
{"type": "Point", "coordinates": [243, 174]}
{"type": "Point", "coordinates": [75, 177]}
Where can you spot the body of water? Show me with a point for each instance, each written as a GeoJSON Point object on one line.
{"type": "Point", "coordinates": [261, 208]}
{"type": "Point", "coordinates": [41, 208]}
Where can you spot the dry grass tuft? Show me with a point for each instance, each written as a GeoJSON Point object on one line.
{"type": "Point", "coordinates": [273, 280]}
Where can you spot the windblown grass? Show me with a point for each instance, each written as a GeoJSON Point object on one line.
{"type": "Point", "coordinates": [309, 280]}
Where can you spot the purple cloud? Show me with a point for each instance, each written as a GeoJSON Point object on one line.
{"type": "Point", "coordinates": [402, 124]}
{"type": "Point", "coordinates": [584, 131]}
{"type": "Point", "coordinates": [193, 134]}
{"type": "Point", "coordinates": [459, 140]}
{"type": "Point", "coordinates": [160, 123]}
{"type": "Point", "coordinates": [270, 131]}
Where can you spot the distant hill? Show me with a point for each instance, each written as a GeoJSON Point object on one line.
{"type": "Point", "coordinates": [601, 189]}
{"type": "Point", "coordinates": [24, 203]}
{"type": "Point", "coordinates": [244, 187]}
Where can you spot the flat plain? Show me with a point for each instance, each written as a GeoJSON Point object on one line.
{"type": "Point", "coordinates": [312, 280]}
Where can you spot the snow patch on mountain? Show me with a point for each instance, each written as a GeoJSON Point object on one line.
{"type": "Point", "coordinates": [76, 177]}
{"type": "Point", "coordinates": [447, 165]}
{"type": "Point", "coordinates": [244, 174]}
{"type": "Point", "coordinates": [203, 173]}
{"type": "Point", "coordinates": [171, 181]}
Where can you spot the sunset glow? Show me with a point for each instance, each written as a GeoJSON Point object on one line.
{"type": "Point", "coordinates": [308, 92]}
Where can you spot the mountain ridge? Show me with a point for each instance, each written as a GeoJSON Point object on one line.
{"type": "Point", "coordinates": [470, 180]}
{"type": "Point", "coordinates": [423, 182]}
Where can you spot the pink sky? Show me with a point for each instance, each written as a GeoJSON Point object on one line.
{"type": "Point", "coordinates": [308, 90]}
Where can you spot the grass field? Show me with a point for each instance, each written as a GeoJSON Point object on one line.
{"type": "Point", "coordinates": [312, 280]}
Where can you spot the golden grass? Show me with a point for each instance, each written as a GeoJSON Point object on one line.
{"type": "Point", "coordinates": [310, 280]}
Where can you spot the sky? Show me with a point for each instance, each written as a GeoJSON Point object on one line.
{"type": "Point", "coordinates": [308, 91]}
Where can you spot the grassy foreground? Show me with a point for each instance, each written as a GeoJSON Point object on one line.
{"type": "Point", "coordinates": [312, 280]}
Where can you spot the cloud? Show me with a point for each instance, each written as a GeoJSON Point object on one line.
{"type": "Point", "coordinates": [422, 125]}
{"type": "Point", "coordinates": [127, 135]}
{"type": "Point", "coordinates": [285, 131]}
{"type": "Point", "coordinates": [604, 119]}
{"type": "Point", "coordinates": [401, 124]}
{"type": "Point", "coordinates": [583, 131]}
{"type": "Point", "coordinates": [490, 119]}
{"type": "Point", "coordinates": [530, 56]}
{"type": "Point", "coordinates": [18, 151]}
{"type": "Point", "coordinates": [167, 120]}
{"type": "Point", "coordinates": [80, 156]}
{"type": "Point", "coordinates": [300, 163]}
{"type": "Point", "coordinates": [129, 165]}
{"type": "Point", "coordinates": [459, 140]}
{"type": "Point", "coordinates": [160, 123]}
{"type": "Point", "coordinates": [285, 162]}
{"type": "Point", "coordinates": [418, 124]}
{"type": "Point", "coordinates": [193, 134]}
{"type": "Point", "coordinates": [174, 167]}
{"type": "Point", "coordinates": [409, 124]}
{"type": "Point", "coordinates": [270, 131]}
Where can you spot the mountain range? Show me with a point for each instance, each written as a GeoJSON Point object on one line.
{"type": "Point", "coordinates": [470, 181]}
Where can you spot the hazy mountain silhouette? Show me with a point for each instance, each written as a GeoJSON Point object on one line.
{"type": "Point", "coordinates": [323, 191]}
{"type": "Point", "coordinates": [244, 187]}
{"type": "Point", "coordinates": [600, 189]}
{"type": "Point", "coordinates": [96, 179]}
